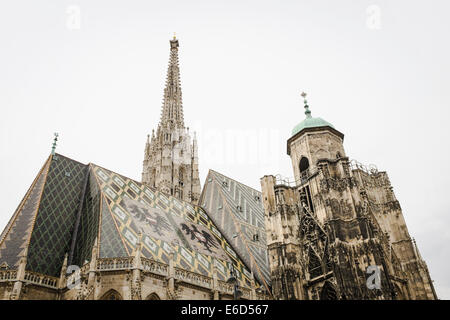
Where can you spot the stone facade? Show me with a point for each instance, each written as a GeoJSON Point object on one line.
{"type": "Point", "coordinates": [171, 157]}
{"type": "Point", "coordinates": [337, 231]}
{"type": "Point", "coordinates": [126, 278]}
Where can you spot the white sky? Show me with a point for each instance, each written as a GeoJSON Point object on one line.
{"type": "Point", "coordinates": [378, 70]}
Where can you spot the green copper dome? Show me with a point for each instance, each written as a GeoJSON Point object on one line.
{"type": "Point", "coordinates": [309, 122]}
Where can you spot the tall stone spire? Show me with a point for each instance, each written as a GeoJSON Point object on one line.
{"type": "Point", "coordinates": [172, 110]}
{"type": "Point", "coordinates": [170, 157]}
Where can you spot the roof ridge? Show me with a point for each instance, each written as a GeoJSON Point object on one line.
{"type": "Point", "coordinates": [68, 158]}
{"type": "Point", "coordinates": [236, 181]}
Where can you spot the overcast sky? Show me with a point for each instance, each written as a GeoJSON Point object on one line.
{"type": "Point", "coordinates": [94, 72]}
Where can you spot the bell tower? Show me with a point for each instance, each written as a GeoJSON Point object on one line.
{"type": "Point", "coordinates": [335, 223]}
{"type": "Point", "coordinates": [313, 139]}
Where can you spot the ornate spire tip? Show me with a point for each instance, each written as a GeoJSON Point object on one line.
{"type": "Point", "coordinates": [305, 102]}
{"type": "Point", "coordinates": [55, 139]}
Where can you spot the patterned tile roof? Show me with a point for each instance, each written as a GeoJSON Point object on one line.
{"type": "Point", "coordinates": [56, 217]}
{"type": "Point", "coordinates": [70, 204]}
{"type": "Point", "coordinates": [17, 233]}
{"type": "Point", "coordinates": [238, 212]}
{"type": "Point", "coordinates": [168, 225]}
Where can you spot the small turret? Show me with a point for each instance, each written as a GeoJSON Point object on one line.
{"type": "Point", "coordinates": [313, 139]}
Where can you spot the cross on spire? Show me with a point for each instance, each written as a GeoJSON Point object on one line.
{"type": "Point", "coordinates": [54, 143]}
{"type": "Point", "coordinates": [305, 102]}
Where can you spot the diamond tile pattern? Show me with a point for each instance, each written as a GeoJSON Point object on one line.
{"type": "Point", "coordinates": [111, 244]}
{"type": "Point", "coordinates": [88, 225]}
{"type": "Point", "coordinates": [56, 217]}
{"type": "Point", "coordinates": [18, 231]}
{"type": "Point", "coordinates": [239, 213]}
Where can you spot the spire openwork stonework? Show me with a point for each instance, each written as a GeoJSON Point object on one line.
{"type": "Point", "coordinates": [170, 157]}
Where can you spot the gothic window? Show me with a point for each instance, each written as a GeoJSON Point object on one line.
{"type": "Point", "coordinates": [181, 182]}
{"type": "Point", "coordinates": [328, 292]}
{"type": "Point", "coordinates": [153, 296]}
{"type": "Point", "coordinates": [178, 192]}
{"type": "Point", "coordinates": [338, 155]}
{"type": "Point", "coordinates": [305, 198]}
{"type": "Point", "coordinates": [398, 292]}
{"type": "Point", "coordinates": [154, 177]}
{"type": "Point", "coordinates": [111, 295]}
{"type": "Point", "coordinates": [279, 195]}
{"type": "Point", "coordinates": [314, 265]}
{"type": "Point", "coordinates": [181, 176]}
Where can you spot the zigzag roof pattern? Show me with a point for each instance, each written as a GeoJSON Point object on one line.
{"type": "Point", "coordinates": [70, 205]}
{"type": "Point", "coordinates": [238, 211]}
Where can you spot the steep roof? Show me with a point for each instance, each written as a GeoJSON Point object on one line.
{"type": "Point", "coordinates": [42, 226]}
{"type": "Point", "coordinates": [70, 204]}
{"type": "Point", "coordinates": [238, 212]}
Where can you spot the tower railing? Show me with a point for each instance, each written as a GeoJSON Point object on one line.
{"type": "Point", "coordinates": [370, 169]}
{"type": "Point", "coordinates": [292, 182]}
{"type": "Point", "coordinates": [312, 170]}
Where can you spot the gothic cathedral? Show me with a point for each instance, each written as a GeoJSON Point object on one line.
{"type": "Point", "coordinates": [336, 231]}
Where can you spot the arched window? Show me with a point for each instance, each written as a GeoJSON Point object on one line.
{"type": "Point", "coordinates": [152, 296]}
{"type": "Point", "coordinates": [338, 155]}
{"type": "Point", "coordinates": [398, 292]}
{"type": "Point", "coordinates": [304, 164]}
{"type": "Point", "coordinates": [154, 177]}
{"type": "Point", "coordinates": [111, 295]}
{"type": "Point", "coordinates": [181, 176]}
{"type": "Point", "coordinates": [314, 265]}
{"type": "Point", "coordinates": [328, 292]}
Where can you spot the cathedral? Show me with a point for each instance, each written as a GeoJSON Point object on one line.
{"type": "Point", "coordinates": [333, 232]}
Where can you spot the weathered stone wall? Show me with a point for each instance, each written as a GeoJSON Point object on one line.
{"type": "Point", "coordinates": [388, 213]}
{"type": "Point", "coordinates": [281, 221]}
{"type": "Point", "coordinates": [326, 231]}
{"type": "Point", "coordinates": [315, 146]}
{"type": "Point", "coordinates": [171, 163]}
